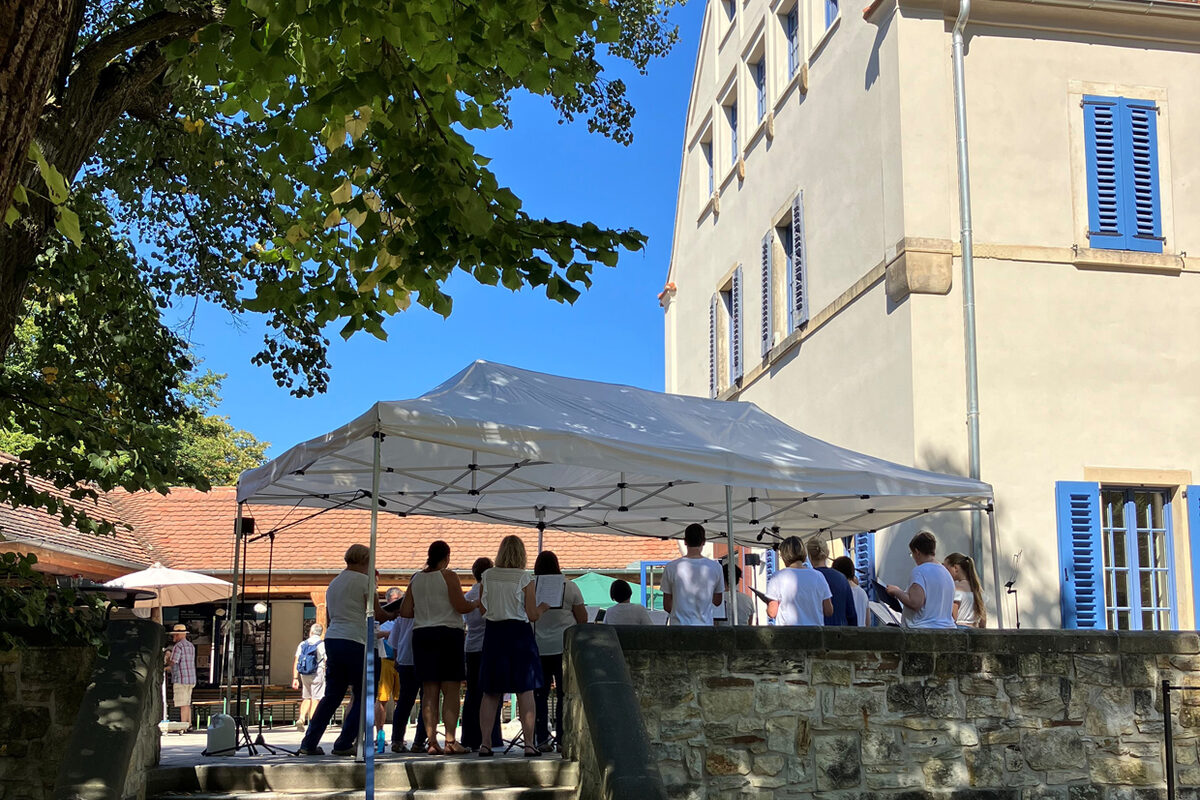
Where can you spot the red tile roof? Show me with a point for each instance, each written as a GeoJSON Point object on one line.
{"type": "Point", "coordinates": [194, 530]}
{"type": "Point", "coordinates": [29, 526]}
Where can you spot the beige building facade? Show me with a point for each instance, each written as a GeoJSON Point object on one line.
{"type": "Point", "coordinates": [816, 271]}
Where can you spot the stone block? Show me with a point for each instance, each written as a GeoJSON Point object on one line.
{"type": "Point", "coordinates": [1104, 670]}
{"type": "Point", "coordinates": [1044, 697]}
{"type": "Point", "coordinates": [1139, 670]}
{"type": "Point", "coordinates": [981, 707]}
{"type": "Point", "coordinates": [980, 685]}
{"type": "Point", "coordinates": [1065, 776]}
{"type": "Point", "coordinates": [985, 766]}
{"type": "Point", "coordinates": [727, 762]}
{"type": "Point", "coordinates": [1029, 664]}
{"type": "Point", "coordinates": [1000, 736]}
{"type": "Point", "coordinates": [726, 704]}
{"type": "Point", "coordinates": [726, 682]}
{"type": "Point", "coordinates": [1084, 793]}
{"type": "Point", "coordinates": [1053, 748]}
{"type": "Point", "coordinates": [1109, 713]}
{"type": "Point", "coordinates": [781, 733]}
{"type": "Point", "coordinates": [774, 695]}
{"type": "Point", "coordinates": [838, 761]}
{"type": "Point", "coordinates": [768, 764]}
{"type": "Point", "coordinates": [880, 778]}
{"type": "Point", "coordinates": [1124, 771]}
{"type": "Point", "coordinates": [766, 663]}
{"type": "Point", "coordinates": [855, 704]}
{"type": "Point", "coordinates": [917, 665]}
{"type": "Point", "coordinates": [1189, 716]}
{"type": "Point", "coordinates": [835, 673]}
{"type": "Point", "coordinates": [881, 748]}
{"type": "Point", "coordinates": [945, 774]}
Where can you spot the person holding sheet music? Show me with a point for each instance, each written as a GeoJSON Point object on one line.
{"type": "Point", "coordinates": [510, 656]}
{"type": "Point", "coordinates": [798, 594]}
{"type": "Point", "coordinates": [929, 600]}
{"type": "Point", "coordinates": [436, 604]}
{"type": "Point", "coordinates": [566, 609]}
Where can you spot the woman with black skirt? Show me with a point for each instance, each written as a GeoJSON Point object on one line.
{"type": "Point", "coordinates": [436, 604]}
{"type": "Point", "coordinates": [510, 656]}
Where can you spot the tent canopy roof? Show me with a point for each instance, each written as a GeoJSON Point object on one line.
{"type": "Point", "coordinates": [510, 445]}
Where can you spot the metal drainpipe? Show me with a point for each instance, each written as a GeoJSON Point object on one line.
{"type": "Point", "coordinates": [968, 271]}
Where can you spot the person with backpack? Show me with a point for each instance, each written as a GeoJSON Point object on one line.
{"type": "Point", "coordinates": [308, 671]}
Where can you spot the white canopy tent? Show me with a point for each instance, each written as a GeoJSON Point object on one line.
{"type": "Point", "coordinates": [500, 444]}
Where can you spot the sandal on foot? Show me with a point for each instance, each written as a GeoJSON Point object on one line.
{"type": "Point", "coordinates": [532, 752]}
{"type": "Point", "coordinates": [485, 751]}
{"type": "Point", "coordinates": [455, 749]}
{"type": "Point", "coordinates": [433, 749]}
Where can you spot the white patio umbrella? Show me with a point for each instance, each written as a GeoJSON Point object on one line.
{"type": "Point", "coordinates": [173, 587]}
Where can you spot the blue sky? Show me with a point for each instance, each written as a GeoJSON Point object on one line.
{"type": "Point", "coordinates": [614, 332]}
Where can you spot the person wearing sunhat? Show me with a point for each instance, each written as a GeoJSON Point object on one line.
{"type": "Point", "coordinates": [181, 658]}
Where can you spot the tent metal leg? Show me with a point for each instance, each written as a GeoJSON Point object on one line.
{"type": "Point", "coordinates": [367, 738]}
{"type": "Point", "coordinates": [232, 616]}
{"type": "Point", "coordinates": [730, 566]}
{"type": "Point", "coordinates": [996, 587]}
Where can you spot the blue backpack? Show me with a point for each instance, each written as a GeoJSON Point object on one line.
{"type": "Point", "coordinates": [307, 663]}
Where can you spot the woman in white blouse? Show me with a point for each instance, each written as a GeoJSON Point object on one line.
{"type": "Point", "coordinates": [510, 656]}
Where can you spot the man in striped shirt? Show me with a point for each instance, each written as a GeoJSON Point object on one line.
{"type": "Point", "coordinates": [181, 658]}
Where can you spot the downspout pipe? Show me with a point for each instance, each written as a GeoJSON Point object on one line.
{"type": "Point", "coordinates": [968, 270]}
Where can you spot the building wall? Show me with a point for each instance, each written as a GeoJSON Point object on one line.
{"type": "Point", "coordinates": [1087, 363]}
{"type": "Point", "coordinates": [1079, 367]}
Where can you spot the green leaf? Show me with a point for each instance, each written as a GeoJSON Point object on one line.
{"type": "Point", "coordinates": [67, 223]}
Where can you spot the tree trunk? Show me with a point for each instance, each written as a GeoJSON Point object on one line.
{"type": "Point", "coordinates": [33, 34]}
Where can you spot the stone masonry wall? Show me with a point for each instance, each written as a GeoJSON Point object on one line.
{"type": "Point", "coordinates": [885, 713]}
{"type": "Point", "coordinates": [40, 691]}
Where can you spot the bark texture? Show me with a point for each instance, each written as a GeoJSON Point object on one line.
{"type": "Point", "coordinates": [33, 35]}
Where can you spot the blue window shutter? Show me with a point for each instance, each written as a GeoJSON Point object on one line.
{"type": "Point", "coordinates": [1192, 498]}
{"type": "Point", "coordinates": [864, 562]}
{"type": "Point", "coordinates": [799, 268]}
{"type": "Point", "coordinates": [735, 327]}
{"type": "Point", "coordinates": [765, 332]}
{"type": "Point", "coordinates": [1080, 555]}
{"type": "Point", "coordinates": [712, 347]}
{"type": "Point", "coordinates": [1139, 134]}
{"type": "Point", "coordinates": [1102, 143]}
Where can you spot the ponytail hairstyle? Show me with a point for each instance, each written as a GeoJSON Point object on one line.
{"type": "Point", "coordinates": [967, 565]}
{"type": "Point", "coordinates": [439, 551]}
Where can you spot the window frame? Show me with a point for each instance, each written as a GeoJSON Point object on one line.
{"type": "Point", "coordinates": [1136, 606]}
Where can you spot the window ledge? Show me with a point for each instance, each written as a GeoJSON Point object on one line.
{"type": "Point", "coordinates": [1128, 261]}
{"type": "Point", "coordinates": [819, 47]}
{"type": "Point", "coordinates": [800, 79]}
{"type": "Point", "coordinates": [728, 31]}
{"type": "Point", "coordinates": [729, 176]}
{"type": "Point", "coordinates": [766, 126]}
{"type": "Point", "coordinates": [711, 206]}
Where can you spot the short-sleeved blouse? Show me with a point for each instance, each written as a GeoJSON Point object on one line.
{"type": "Point", "coordinates": [503, 594]}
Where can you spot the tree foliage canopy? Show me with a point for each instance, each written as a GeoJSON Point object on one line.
{"type": "Point", "coordinates": [308, 160]}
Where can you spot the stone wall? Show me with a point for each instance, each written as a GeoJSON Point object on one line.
{"type": "Point", "coordinates": [40, 692]}
{"type": "Point", "coordinates": [884, 713]}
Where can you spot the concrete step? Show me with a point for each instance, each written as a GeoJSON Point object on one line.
{"type": "Point", "coordinates": [408, 775]}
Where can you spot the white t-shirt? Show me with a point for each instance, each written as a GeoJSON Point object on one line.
{"type": "Point", "coordinates": [939, 598]}
{"type": "Point", "coordinates": [346, 603]}
{"type": "Point", "coordinates": [503, 594]}
{"type": "Point", "coordinates": [966, 606]}
{"type": "Point", "coordinates": [800, 592]}
{"type": "Point", "coordinates": [692, 582]}
{"type": "Point", "coordinates": [552, 624]}
{"type": "Point", "coordinates": [860, 603]}
{"type": "Point", "coordinates": [627, 614]}
{"type": "Point", "coordinates": [474, 621]}
{"type": "Point", "coordinates": [745, 609]}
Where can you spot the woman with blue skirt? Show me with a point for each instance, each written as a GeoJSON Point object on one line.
{"type": "Point", "coordinates": [510, 660]}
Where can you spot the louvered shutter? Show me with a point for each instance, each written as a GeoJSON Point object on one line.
{"type": "Point", "coordinates": [799, 266]}
{"type": "Point", "coordinates": [1139, 132]}
{"type": "Point", "coordinates": [765, 331]}
{"type": "Point", "coordinates": [735, 327]}
{"type": "Point", "coordinates": [1104, 176]}
{"type": "Point", "coordinates": [1080, 555]}
{"type": "Point", "coordinates": [864, 563]}
{"type": "Point", "coordinates": [712, 347]}
{"type": "Point", "coordinates": [1192, 499]}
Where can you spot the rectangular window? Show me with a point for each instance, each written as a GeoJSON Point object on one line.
{"type": "Point", "coordinates": [1121, 144]}
{"type": "Point", "coordinates": [1135, 529]}
{"type": "Point", "coordinates": [760, 86]}
{"type": "Point", "coordinates": [1116, 557]}
{"type": "Point", "coordinates": [791, 28]}
{"type": "Point", "coordinates": [730, 9]}
{"type": "Point", "coordinates": [731, 114]}
{"type": "Point", "coordinates": [706, 151]}
{"type": "Point", "coordinates": [831, 12]}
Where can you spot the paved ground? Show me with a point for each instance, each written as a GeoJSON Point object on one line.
{"type": "Point", "coordinates": [187, 749]}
